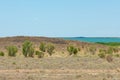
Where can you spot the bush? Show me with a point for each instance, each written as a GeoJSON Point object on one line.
{"type": "Point", "coordinates": [12, 50]}
{"type": "Point", "coordinates": [37, 52]}
{"type": "Point", "coordinates": [31, 52]}
{"type": "Point", "coordinates": [110, 51]}
{"type": "Point", "coordinates": [40, 54]}
{"type": "Point", "coordinates": [50, 49]}
{"type": "Point", "coordinates": [102, 51]}
{"type": "Point", "coordinates": [2, 53]}
{"type": "Point", "coordinates": [79, 49]}
{"type": "Point", "coordinates": [75, 51]}
{"type": "Point", "coordinates": [72, 50]}
{"type": "Point", "coordinates": [42, 47]}
{"type": "Point", "coordinates": [101, 55]}
{"type": "Point", "coordinates": [27, 49]}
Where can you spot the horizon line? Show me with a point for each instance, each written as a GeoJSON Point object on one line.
{"type": "Point", "coordinates": [62, 37]}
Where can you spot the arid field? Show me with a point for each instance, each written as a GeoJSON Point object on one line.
{"type": "Point", "coordinates": [91, 61]}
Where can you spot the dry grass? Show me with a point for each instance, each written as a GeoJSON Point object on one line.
{"type": "Point", "coordinates": [70, 68]}
{"type": "Point", "coordinates": [60, 66]}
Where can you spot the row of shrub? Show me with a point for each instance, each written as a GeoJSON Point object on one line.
{"type": "Point", "coordinates": [29, 51]}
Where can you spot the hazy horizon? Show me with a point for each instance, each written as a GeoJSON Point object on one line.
{"type": "Point", "coordinates": [59, 37]}
{"type": "Point", "coordinates": [63, 18]}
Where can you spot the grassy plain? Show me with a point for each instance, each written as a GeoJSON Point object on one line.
{"type": "Point", "coordinates": [85, 65]}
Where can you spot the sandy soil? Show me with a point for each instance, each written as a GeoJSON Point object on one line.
{"type": "Point", "coordinates": [69, 68]}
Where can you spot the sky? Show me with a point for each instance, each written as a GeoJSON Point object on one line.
{"type": "Point", "coordinates": [60, 18]}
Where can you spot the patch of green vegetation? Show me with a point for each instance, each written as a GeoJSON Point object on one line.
{"type": "Point", "coordinates": [40, 54]}
{"type": "Point", "coordinates": [27, 49]}
{"type": "Point", "coordinates": [2, 53]}
{"type": "Point", "coordinates": [14, 63]}
{"type": "Point", "coordinates": [101, 55]}
{"type": "Point", "coordinates": [42, 47]}
{"type": "Point", "coordinates": [72, 50]}
{"type": "Point", "coordinates": [12, 50]}
{"type": "Point", "coordinates": [31, 52]}
{"type": "Point", "coordinates": [110, 43]}
{"type": "Point", "coordinates": [50, 49]}
{"type": "Point", "coordinates": [106, 54]}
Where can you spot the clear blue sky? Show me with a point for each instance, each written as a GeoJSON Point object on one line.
{"type": "Point", "coordinates": [59, 18]}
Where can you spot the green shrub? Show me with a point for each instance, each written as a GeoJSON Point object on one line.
{"type": "Point", "coordinates": [37, 52]}
{"type": "Point", "coordinates": [110, 51]}
{"type": "Point", "coordinates": [50, 49]}
{"type": "Point", "coordinates": [27, 49]}
{"type": "Point", "coordinates": [79, 49]}
{"type": "Point", "coordinates": [14, 63]}
{"type": "Point", "coordinates": [75, 51]}
{"type": "Point", "coordinates": [101, 55]}
{"type": "Point", "coordinates": [2, 53]}
{"type": "Point", "coordinates": [72, 50]}
{"type": "Point", "coordinates": [102, 51]}
{"type": "Point", "coordinates": [31, 52]}
{"type": "Point", "coordinates": [42, 47]}
{"type": "Point", "coordinates": [40, 54]}
{"type": "Point", "coordinates": [12, 50]}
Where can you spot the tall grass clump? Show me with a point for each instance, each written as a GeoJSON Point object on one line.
{"type": "Point", "coordinates": [72, 50]}
{"type": "Point", "coordinates": [42, 47]}
{"type": "Point", "coordinates": [2, 53]}
{"type": "Point", "coordinates": [102, 53]}
{"type": "Point", "coordinates": [12, 50]}
{"type": "Point", "coordinates": [31, 52]}
{"type": "Point", "coordinates": [27, 49]}
{"type": "Point", "coordinates": [40, 54]}
{"type": "Point", "coordinates": [50, 49]}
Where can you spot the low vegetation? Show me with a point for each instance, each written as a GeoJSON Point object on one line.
{"type": "Point", "coordinates": [31, 52]}
{"type": "Point", "coordinates": [2, 53]}
{"type": "Point", "coordinates": [47, 49]}
{"type": "Point", "coordinates": [72, 50]}
{"type": "Point", "coordinates": [40, 54]}
{"type": "Point", "coordinates": [92, 50]}
{"type": "Point", "coordinates": [50, 49]}
{"type": "Point", "coordinates": [101, 55]}
{"type": "Point", "coordinates": [27, 49]}
{"type": "Point", "coordinates": [110, 43]}
{"type": "Point", "coordinates": [42, 47]}
{"type": "Point", "coordinates": [106, 54]}
{"type": "Point", "coordinates": [12, 50]}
